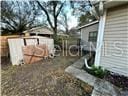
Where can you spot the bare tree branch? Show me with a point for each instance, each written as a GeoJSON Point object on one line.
{"type": "Point", "coordinates": [59, 10]}
{"type": "Point", "coordinates": [52, 12]}
{"type": "Point", "coordinates": [48, 17]}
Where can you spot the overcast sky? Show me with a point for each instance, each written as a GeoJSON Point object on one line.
{"type": "Point", "coordinates": [72, 21]}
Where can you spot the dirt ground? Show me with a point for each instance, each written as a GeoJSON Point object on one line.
{"type": "Point", "coordinates": [44, 78]}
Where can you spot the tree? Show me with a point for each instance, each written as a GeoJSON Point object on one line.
{"type": "Point", "coordinates": [80, 7]}
{"type": "Point", "coordinates": [17, 16]}
{"type": "Point", "coordinates": [85, 11]}
{"type": "Point", "coordinates": [63, 21]}
{"type": "Point", "coordinates": [52, 9]}
{"type": "Point", "coordinates": [86, 18]}
{"type": "Point", "coordinates": [66, 22]}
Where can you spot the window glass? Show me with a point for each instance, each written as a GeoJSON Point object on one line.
{"type": "Point", "coordinates": [92, 36]}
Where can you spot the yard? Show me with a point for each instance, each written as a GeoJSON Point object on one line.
{"type": "Point", "coordinates": [44, 78]}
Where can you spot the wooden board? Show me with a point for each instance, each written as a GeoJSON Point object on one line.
{"type": "Point", "coordinates": [4, 50]}
{"type": "Point", "coordinates": [32, 53]}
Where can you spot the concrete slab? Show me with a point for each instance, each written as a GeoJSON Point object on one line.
{"type": "Point", "coordinates": [81, 74]}
{"type": "Point", "coordinates": [101, 87]}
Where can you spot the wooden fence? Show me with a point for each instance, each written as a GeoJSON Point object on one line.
{"type": "Point", "coordinates": [4, 49]}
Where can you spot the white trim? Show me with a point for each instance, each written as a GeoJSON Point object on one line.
{"type": "Point", "coordinates": [100, 38]}
{"type": "Point", "coordinates": [88, 24]}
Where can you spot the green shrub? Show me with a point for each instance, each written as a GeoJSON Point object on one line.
{"type": "Point", "coordinates": [58, 40]}
{"type": "Point", "coordinates": [98, 71]}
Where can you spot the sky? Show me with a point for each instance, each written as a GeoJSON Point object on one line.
{"type": "Point", "coordinates": [73, 22]}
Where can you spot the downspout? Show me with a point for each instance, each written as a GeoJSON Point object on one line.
{"type": "Point", "coordinates": [86, 64]}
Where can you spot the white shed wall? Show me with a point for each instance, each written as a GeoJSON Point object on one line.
{"type": "Point", "coordinates": [16, 44]}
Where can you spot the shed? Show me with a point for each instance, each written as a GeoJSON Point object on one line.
{"type": "Point", "coordinates": [16, 46]}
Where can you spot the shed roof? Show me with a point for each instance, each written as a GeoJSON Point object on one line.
{"type": "Point", "coordinates": [40, 30]}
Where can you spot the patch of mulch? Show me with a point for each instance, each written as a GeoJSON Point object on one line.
{"type": "Point", "coordinates": [118, 80]}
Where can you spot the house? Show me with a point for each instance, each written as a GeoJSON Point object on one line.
{"type": "Point", "coordinates": [112, 46]}
{"type": "Point", "coordinates": [112, 38]}
{"type": "Point", "coordinates": [39, 31]}
{"type": "Point", "coordinates": [89, 35]}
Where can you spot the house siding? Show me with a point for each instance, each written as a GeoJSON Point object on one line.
{"type": "Point", "coordinates": [114, 54]}
{"type": "Point", "coordinates": [85, 36]}
{"type": "Point", "coordinates": [85, 31]}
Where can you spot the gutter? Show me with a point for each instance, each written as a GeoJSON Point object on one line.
{"type": "Point", "coordinates": [89, 24]}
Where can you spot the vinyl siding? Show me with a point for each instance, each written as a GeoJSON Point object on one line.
{"type": "Point", "coordinates": [114, 55]}
{"type": "Point", "coordinates": [85, 31]}
{"type": "Point", "coordinates": [85, 35]}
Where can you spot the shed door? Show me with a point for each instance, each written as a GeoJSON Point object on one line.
{"type": "Point", "coordinates": [114, 54]}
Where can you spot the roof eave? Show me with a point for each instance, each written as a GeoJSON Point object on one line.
{"type": "Point", "coordinates": [113, 3]}
{"type": "Point", "coordinates": [89, 24]}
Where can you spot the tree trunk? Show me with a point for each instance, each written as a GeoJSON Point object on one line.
{"type": "Point", "coordinates": [55, 32]}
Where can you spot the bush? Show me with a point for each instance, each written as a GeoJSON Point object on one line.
{"type": "Point", "coordinates": [97, 71]}
{"type": "Point", "coordinates": [58, 40]}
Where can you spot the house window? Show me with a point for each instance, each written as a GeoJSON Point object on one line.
{"type": "Point", "coordinates": [92, 36]}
